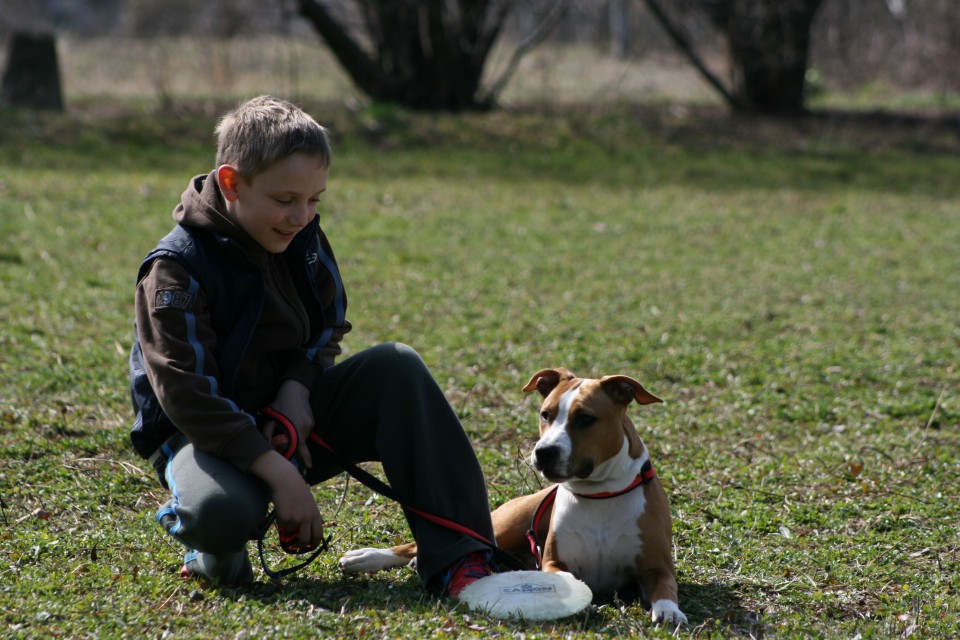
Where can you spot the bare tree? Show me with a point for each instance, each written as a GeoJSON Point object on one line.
{"type": "Point", "coordinates": [423, 54]}
{"type": "Point", "coordinates": [769, 48]}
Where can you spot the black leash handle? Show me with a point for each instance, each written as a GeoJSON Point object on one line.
{"type": "Point", "coordinates": [283, 573]}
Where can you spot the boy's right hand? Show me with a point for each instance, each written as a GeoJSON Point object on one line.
{"type": "Point", "coordinates": [296, 509]}
{"type": "Point", "coordinates": [293, 401]}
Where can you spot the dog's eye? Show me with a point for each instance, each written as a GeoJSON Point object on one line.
{"type": "Point", "coordinates": [584, 420]}
{"type": "Point", "coordinates": [545, 416]}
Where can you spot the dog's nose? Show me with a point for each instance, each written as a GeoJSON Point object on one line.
{"type": "Point", "coordinates": [545, 457]}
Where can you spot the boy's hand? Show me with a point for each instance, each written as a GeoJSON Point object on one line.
{"type": "Point", "coordinates": [293, 401]}
{"type": "Point", "coordinates": [296, 509]}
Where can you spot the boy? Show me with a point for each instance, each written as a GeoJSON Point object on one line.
{"type": "Point", "coordinates": [241, 307]}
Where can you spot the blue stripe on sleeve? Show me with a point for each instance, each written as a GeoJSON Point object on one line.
{"type": "Point", "coordinates": [200, 368]}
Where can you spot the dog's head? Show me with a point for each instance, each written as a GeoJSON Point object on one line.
{"type": "Point", "coordinates": [583, 422]}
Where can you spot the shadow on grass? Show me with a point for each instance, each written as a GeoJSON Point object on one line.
{"type": "Point", "coordinates": [715, 606]}
{"type": "Point", "coordinates": [696, 147]}
{"type": "Point", "coordinates": [709, 607]}
{"type": "Point", "coordinates": [338, 595]}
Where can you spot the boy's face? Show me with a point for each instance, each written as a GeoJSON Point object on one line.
{"type": "Point", "coordinates": [277, 203]}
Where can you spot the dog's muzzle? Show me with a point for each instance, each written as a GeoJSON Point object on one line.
{"type": "Point", "coordinates": [546, 458]}
{"type": "Point", "coordinates": [551, 460]}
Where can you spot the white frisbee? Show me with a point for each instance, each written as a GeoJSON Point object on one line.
{"type": "Point", "coordinates": [527, 595]}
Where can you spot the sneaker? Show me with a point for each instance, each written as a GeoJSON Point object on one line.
{"type": "Point", "coordinates": [228, 570]}
{"type": "Point", "coordinates": [466, 570]}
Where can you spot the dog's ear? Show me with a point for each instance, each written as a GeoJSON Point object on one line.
{"type": "Point", "coordinates": [624, 389]}
{"type": "Point", "coordinates": [546, 380]}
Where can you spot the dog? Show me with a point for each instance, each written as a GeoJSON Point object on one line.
{"type": "Point", "coordinates": [606, 519]}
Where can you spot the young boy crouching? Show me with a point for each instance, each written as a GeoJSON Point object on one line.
{"type": "Point", "coordinates": [241, 307]}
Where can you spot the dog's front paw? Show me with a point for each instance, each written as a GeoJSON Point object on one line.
{"type": "Point", "coordinates": [370, 560]}
{"type": "Point", "coordinates": [667, 612]}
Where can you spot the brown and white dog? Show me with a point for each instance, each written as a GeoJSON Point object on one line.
{"type": "Point", "coordinates": [607, 520]}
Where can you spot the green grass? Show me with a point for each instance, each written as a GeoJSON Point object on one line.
{"type": "Point", "coordinates": [790, 288]}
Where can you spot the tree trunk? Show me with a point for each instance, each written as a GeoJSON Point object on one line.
{"type": "Point", "coordinates": [617, 18]}
{"type": "Point", "coordinates": [769, 49]}
{"type": "Point", "coordinates": [32, 77]}
{"type": "Point", "coordinates": [425, 54]}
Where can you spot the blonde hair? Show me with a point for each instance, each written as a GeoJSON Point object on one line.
{"type": "Point", "coordinates": [266, 129]}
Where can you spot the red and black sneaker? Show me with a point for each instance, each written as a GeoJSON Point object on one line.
{"type": "Point", "coordinates": [466, 570]}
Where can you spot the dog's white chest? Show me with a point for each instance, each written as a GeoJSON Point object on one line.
{"type": "Point", "coordinates": [599, 540]}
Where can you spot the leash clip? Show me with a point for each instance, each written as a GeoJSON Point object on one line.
{"type": "Point", "coordinates": [535, 548]}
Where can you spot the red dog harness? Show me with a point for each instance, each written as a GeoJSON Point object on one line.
{"type": "Point", "coordinates": [645, 476]}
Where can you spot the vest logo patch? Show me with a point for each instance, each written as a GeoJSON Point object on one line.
{"type": "Point", "coordinates": [173, 299]}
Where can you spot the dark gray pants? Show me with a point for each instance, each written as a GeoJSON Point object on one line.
{"type": "Point", "coordinates": [379, 405]}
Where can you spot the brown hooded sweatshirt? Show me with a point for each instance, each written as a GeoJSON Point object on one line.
{"type": "Point", "coordinates": [178, 341]}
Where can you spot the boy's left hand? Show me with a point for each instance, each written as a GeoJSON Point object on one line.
{"type": "Point", "coordinates": [293, 401]}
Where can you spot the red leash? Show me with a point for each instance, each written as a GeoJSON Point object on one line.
{"type": "Point", "coordinates": [384, 489]}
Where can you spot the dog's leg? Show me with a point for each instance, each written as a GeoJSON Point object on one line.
{"type": "Point", "coordinates": [551, 563]}
{"type": "Point", "coordinates": [661, 586]}
{"type": "Point", "coordinates": [658, 577]}
{"type": "Point", "coordinates": [372, 560]}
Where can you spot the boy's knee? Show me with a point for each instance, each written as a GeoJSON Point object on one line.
{"type": "Point", "coordinates": [398, 359]}
{"type": "Point", "coordinates": [215, 521]}
{"type": "Point", "coordinates": [225, 523]}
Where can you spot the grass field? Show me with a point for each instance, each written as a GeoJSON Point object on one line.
{"type": "Point", "coordinates": [791, 289]}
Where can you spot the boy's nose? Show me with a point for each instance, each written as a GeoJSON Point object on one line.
{"type": "Point", "coordinates": [302, 215]}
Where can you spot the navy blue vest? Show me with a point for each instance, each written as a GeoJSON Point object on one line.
{"type": "Point", "coordinates": [234, 289]}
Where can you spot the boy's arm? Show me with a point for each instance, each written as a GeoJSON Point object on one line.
{"type": "Point", "coordinates": [178, 344]}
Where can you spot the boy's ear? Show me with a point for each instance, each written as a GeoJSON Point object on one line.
{"type": "Point", "coordinates": [228, 180]}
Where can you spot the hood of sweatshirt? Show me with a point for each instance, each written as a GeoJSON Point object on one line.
{"type": "Point", "coordinates": [203, 206]}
